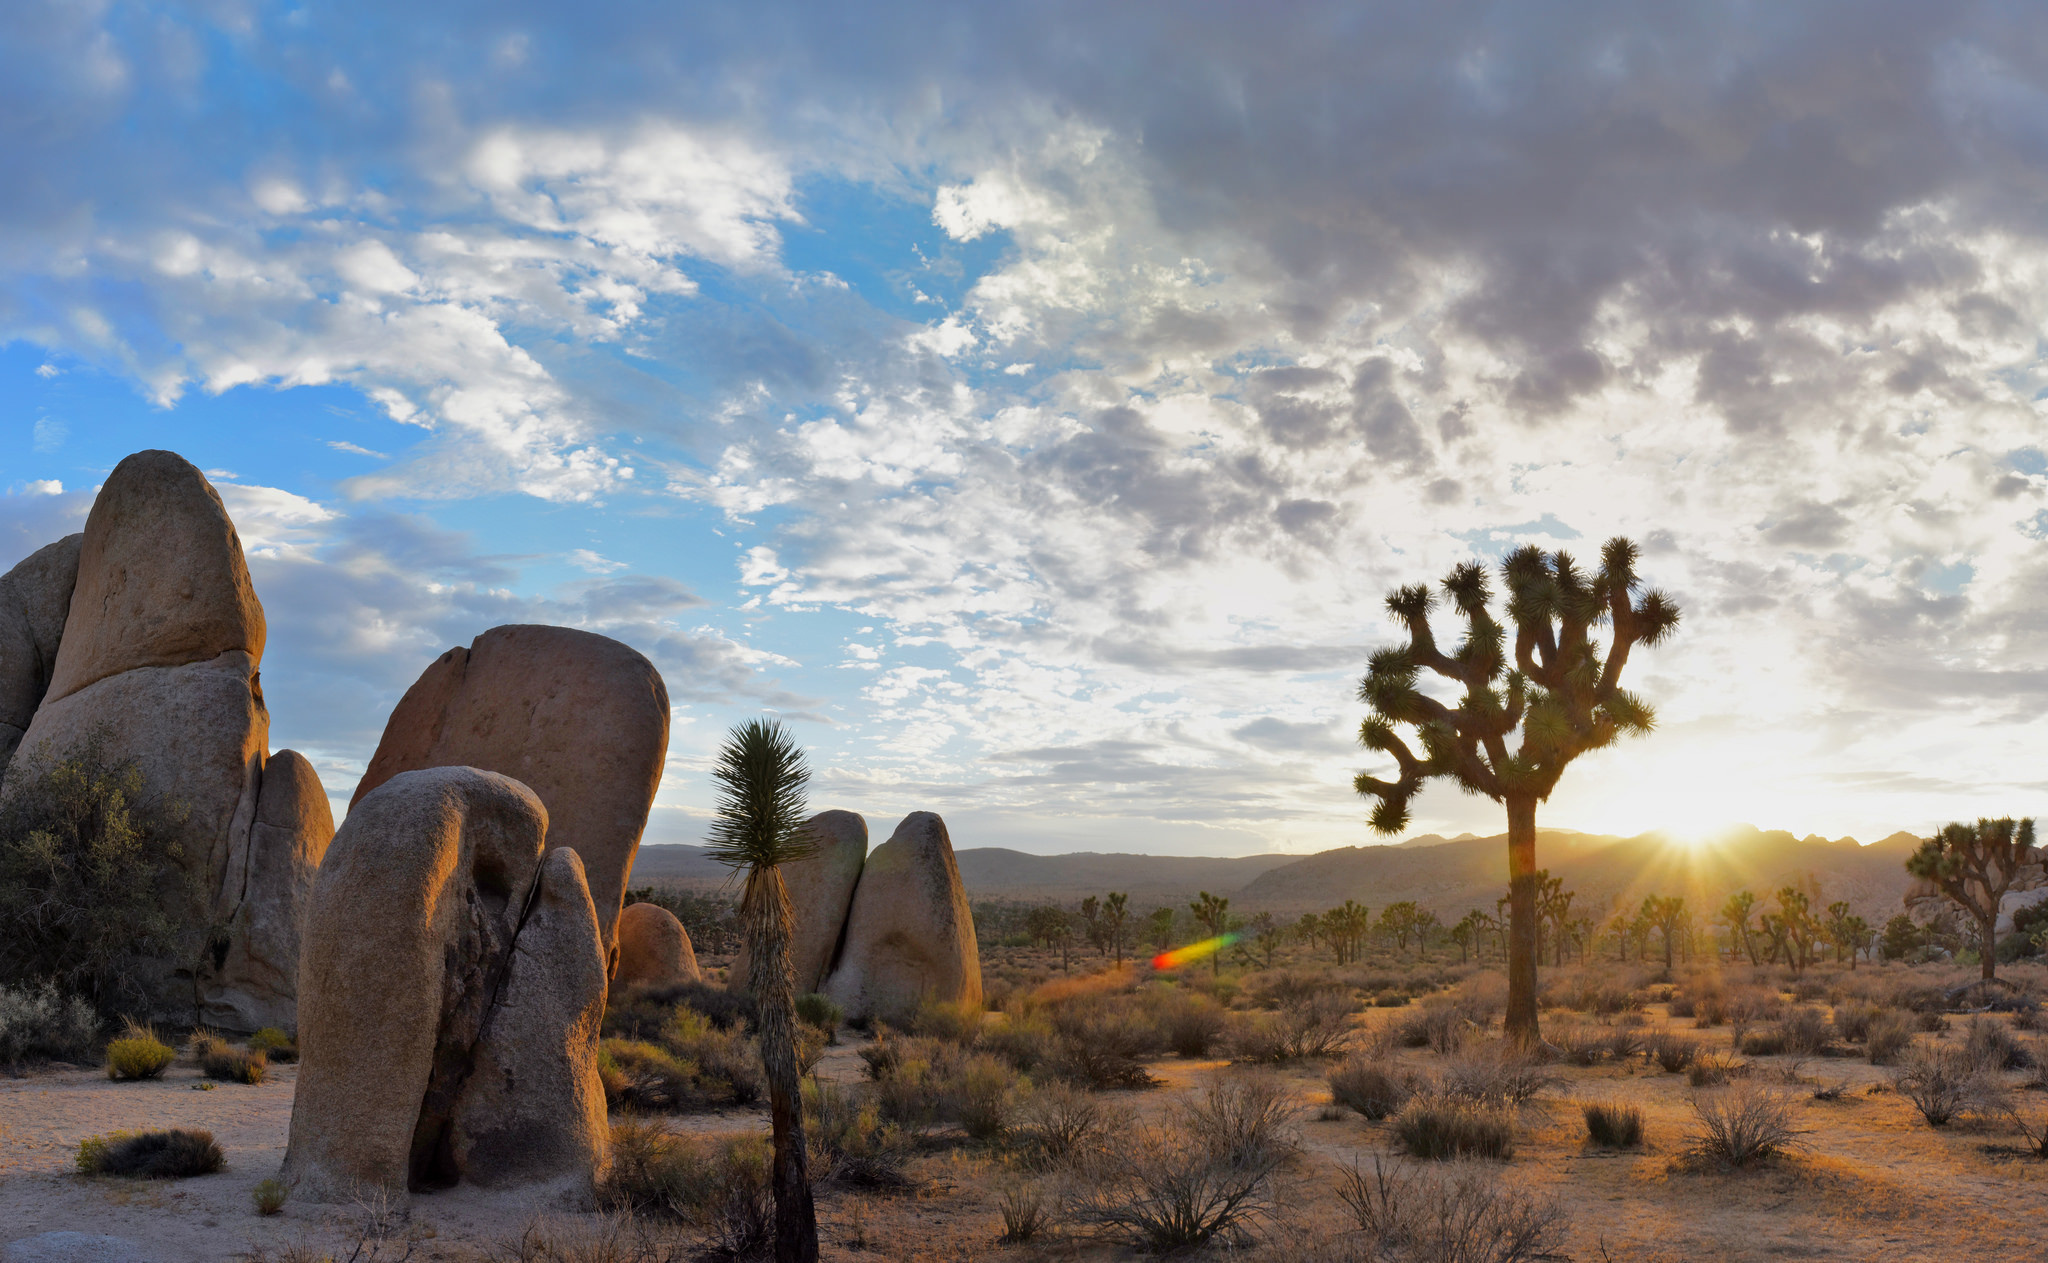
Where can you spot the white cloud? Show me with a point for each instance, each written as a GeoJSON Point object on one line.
{"type": "Point", "coordinates": [585, 559]}
{"type": "Point", "coordinates": [343, 445]}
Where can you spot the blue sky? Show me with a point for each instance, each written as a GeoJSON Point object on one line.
{"type": "Point", "coordinates": [1033, 403]}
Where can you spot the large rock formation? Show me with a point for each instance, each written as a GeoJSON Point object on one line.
{"type": "Point", "coordinates": [579, 718]}
{"type": "Point", "coordinates": [654, 948]}
{"type": "Point", "coordinates": [257, 981]}
{"type": "Point", "coordinates": [448, 1011]}
{"type": "Point", "coordinates": [35, 596]}
{"type": "Point", "coordinates": [909, 934]}
{"type": "Point", "coordinates": [820, 893]}
{"type": "Point", "coordinates": [158, 665]}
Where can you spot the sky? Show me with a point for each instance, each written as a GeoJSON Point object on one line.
{"type": "Point", "coordinates": [1033, 403]}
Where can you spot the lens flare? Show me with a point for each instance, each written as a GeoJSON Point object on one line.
{"type": "Point", "coordinates": [1192, 952]}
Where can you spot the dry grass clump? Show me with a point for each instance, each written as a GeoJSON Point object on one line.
{"type": "Point", "coordinates": [1203, 1176]}
{"type": "Point", "coordinates": [269, 1196]}
{"type": "Point", "coordinates": [1742, 1125]}
{"type": "Point", "coordinates": [1066, 1124]}
{"type": "Point", "coordinates": [138, 1054]}
{"type": "Point", "coordinates": [1615, 1125]}
{"type": "Point", "coordinates": [1578, 1044]}
{"type": "Point", "coordinates": [1102, 1046]}
{"type": "Point", "coordinates": [1671, 1051]}
{"type": "Point", "coordinates": [1022, 1036]}
{"type": "Point", "coordinates": [1890, 1033]}
{"type": "Point", "coordinates": [983, 1097]}
{"type": "Point", "coordinates": [221, 1060]}
{"type": "Point", "coordinates": [1799, 1033]}
{"type": "Point", "coordinates": [1495, 1074]}
{"type": "Point", "coordinates": [151, 1155]}
{"type": "Point", "coordinates": [1370, 1086]}
{"type": "Point", "coordinates": [1709, 1072]}
{"type": "Point", "coordinates": [1442, 1025]}
{"type": "Point", "coordinates": [1440, 1127]}
{"type": "Point", "coordinates": [1944, 1082]}
{"type": "Point", "coordinates": [275, 1044]}
{"type": "Point", "coordinates": [1991, 1045]}
{"type": "Point", "coordinates": [1464, 1214]}
{"type": "Point", "coordinates": [1190, 1025]}
{"type": "Point", "coordinates": [1028, 1207]}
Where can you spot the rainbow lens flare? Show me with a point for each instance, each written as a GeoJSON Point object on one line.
{"type": "Point", "coordinates": [1193, 952]}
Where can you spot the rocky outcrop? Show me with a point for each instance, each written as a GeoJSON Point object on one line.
{"type": "Point", "coordinates": [448, 1006]}
{"type": "Point", "coordinates": [158, 666]}
{"type": "Point", "coordinates": [654, 948]}
{"type": "Point", "coordinates": [533, 1110]}
{"type": "Point", "coordinates": [821, 890]}
{"type": "Point", "coordinates": [579, 718]}
{"type": "Point", "coordinates": [909, 933]}
{"type": "Point", "coordinates": [257, 981]}
{"type": "Point", "coordinates": [35, 596]}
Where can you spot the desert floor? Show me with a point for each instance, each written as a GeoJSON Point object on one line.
{"type": "Point", "coordinates": [1872, 1180]}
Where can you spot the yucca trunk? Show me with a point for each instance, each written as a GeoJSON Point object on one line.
{"type": "Point", "coordinates": [1520, 1024]}
{"type": "Point", "coordinates": [769, 924]}
{"type": "Point", "coordinates": [1987, 928]}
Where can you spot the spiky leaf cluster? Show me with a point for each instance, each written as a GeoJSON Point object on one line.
{"type": "Point", "coordinates": [1977, 865]}
{"type": "Point", "coordinates": [761, 777]}
{"type": "Point", "coordinates": [1560, 693]}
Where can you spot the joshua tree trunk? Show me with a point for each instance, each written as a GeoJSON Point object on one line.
{"type": "Point", "coordinates": [1987, 927]}
{"type": "Point", "coordinates": [769, 927]}
{"type": "Point", "coordinates": [1520, 1024]}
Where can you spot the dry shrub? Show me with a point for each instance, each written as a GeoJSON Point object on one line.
{"type": "Point", "coordinates": [1852, 1021]}
{"type": "Point", "coordinates": [1742, 1125]}
{"type": "Point", "coordinates": [1943, 1082]}
{"type": "Point", "coordinates": [847, 1140]}
{"type": "Point", "coordinates": [721, 1189]}
{"type": "Point", "coordinates": [1614, 1125]}
{"type": "Point", "coordinates": [1992, 1046]}
{"type": "Point", "coordinates": [151, 1155]}
{"type": "Point", "coordinates": [269, 1196]}
{"type": "Point", "coordinates": [1171, 1192]}
{"type": "Point", "coordinates": [1890, 1033]}
{"type": "Point", "coordinates": [1102, 1047]}
{"type": "Point", "coordinates": [275, 1044]}
{"type": "Point", "coordinates": [41, 1023]}
{"type": "Point", "coordinates": [1441, 1026]}
{"type": "Point", "coordinates": [1800, 1033]}
{"type": "Point", "coordinates": [1189, 1025]}
{"type": "Point", "coordinates": [138, 1054]}
{"type": "Point", "coordinates": [1022, 1038]}
{"type": "Point", "coordinates": [1067, 1124]}
{"type": "Point", "coordinates": [728, 1063]}
{"type": "Point", "coordinates": [1577, 1044]}
{"type": "Point", "coordinates": [1672, 1052]}
{"type": "Point", "coordinates": [1623, 1042]}
{"type": "Point", "coordinates": [1464, 1214]}
{"type": "Point", "coordinates": [1370, 1086]}
{"type": "Point", "coordinates": [1708, 1072]}
{"type": "Point", "coordinates": [1495, 1074]}
{"type": "Point", "coordinates": [1028, 1208]}
{"type": "Point", "coordinates": [1242, 1119]}
{"type": "Point", "coordinates": [983, 1097]}
{"type": "Point", "coordinates": [954, 1023]}
{"type": "Point", "coordinates": [1314, 1025]}
{"type": "Point", "coordinates": [220, 1060]}
{"type": "Point", "coordinates": [1439, 1127]}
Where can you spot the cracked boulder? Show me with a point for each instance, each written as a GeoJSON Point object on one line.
{"type": "Point", "coordinates": [909, 933]}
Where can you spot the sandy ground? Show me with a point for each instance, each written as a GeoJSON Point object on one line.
{"type": "Point", "coordinates": [1874, 1182]}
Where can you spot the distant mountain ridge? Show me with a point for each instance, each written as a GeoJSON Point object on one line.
{"type": "Point", "coordinates": [1444, 875]}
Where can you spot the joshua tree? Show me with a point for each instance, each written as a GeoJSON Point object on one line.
{"type": "Point", "coordinates": [1976, 867]}
{"type": "Point", "coordinates": [1464, 933]}
{"type": "Point", "coordinates": [1213, 913]}
{"type": "Point", "coordinates": [1795, 927]}
{"type": "Point", "coordinates": [1398, 921]}
{"type": "Point", "coordinates": [1115, 911]}
{"type": "Point", "coordinates": [1160, 927]}
{"type": "Point", "coordinates": [761, 776]}
{"type": "Point", "coordinates": [1564, 696]}
{"type": "Point", "coordinates": [1736, 913]}
{"type": "Point", "coordinates": [1667, 913]}
{"type": "Point", "coordinates": [1554, 906]}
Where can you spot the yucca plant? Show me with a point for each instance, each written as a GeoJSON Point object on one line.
{"type": "Point", "coordinates": [1976, 867]}
{"type": "Point", "coordinates": [1564, 696]}
{"type": "Point", "coordinates": [761, 776]}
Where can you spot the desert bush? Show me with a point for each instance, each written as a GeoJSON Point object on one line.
{"type": "Point", "coordinates": [38, 1022]}
{"type": "Point", "coordinates": [1496, 1074]}
{"type": "Point", "coordinates": [1578, 1045]}
{"type": "Point", "coordinates": [1066, 1123]}
{"type": "Point", "coordinates": [982, 1097]}
{"type": "Point", "coordinates": [1614, 1125]}
{"type": "Point", "coordinates": [1027, 1206]}
{"type": "Point", "coordinates": [1368, 1085]}
{"type": "Point", "coordinates": [1672, 1052]}
{"type": "Point", "coordinates": [1316, 1024]}
{"type": "Point", "coordinates": [728, 1065]}
{"type": "Point", "coordinates": [221, 1060]}
{"type": "Point", "coordinates": [646, 1076]}
{"type": "Point", "coordinates": [815, 1010]}
{"type": "Point", "coordinates": [1624, 1042]}
{"type": "Point", "coordinates": [847, 1140]}
{"type": "Point", "coordinates": [1242, 1119]}
{"type": "Point", "coordinates": [1189, 1025]}
{"type": "Point", "coordinates": [1931, 1021]}
{"type": "Point", "coordinates": [269, 1196]}
{"type": "Point", "coordinates": [1463, 1214]}
{"type": "Point", "coordinates": [1852, 1021]}
{"type": "Point", "coordinates": [275, 1044]}
{"type": "Point", "coordinates": [138, 1054]}
{"type": "Point", "coordinates": [1799, 1033]}
{"type": "Point", "coordinates": [1992, 1046]}
{"type": "Point", "coordinates": [954, 1023]}
{"type": "Point", "coordinates": [151, 1155]}
{"type": "Point", "coordinates": [1440, 1026]}
{"type": "Point", "coordinates": [92, 897]}
{"type": "Point", "coordinates": [1391, 999]}
{"type": "Point", "coordinates": [1708, 1072]}
{"type": "Point", "coordinates": [1439, 1127]}
{"type": "Point", "coordinates": [720, 1189]}
{"type": "Point", "coordinates": [1943, 1082]}
{"type": "Point", "coordinates": [1742, 1125]}
{"type": "Point", "coordinates": [643, 1012]}
{"type": "Point", "coordinates": [1890, 1034]}
{"type": "Point", "coordinates": [1101, 1047]}
{"type": "Point", "coordinates": [1020, 1038]}
{"type": "Point", "coordinates": [1172, 1193]}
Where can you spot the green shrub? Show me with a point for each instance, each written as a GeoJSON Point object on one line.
{"type": "Point", "coordinates": [269, 1195]}
{"type": "Point", "coordinates": [1443, 1127]}
{"type": "Point", "coordinates": [93, 898]}
{"type": "Point", "coordinates": [151, 1155]}
{"type": "Point", "coordinates": [647, 1076]}
{"type": "Point", "coordinates": [1024, 1040]}
{"type": "Point", "coordinates": [983, 1097]}
{"type": "Point", "coordinates": [847, 1140]}
{"type": "Point", "coordinates": [955, 1023]}
{"type": "Point", "coordinates": [1613, 1125]}
{"type": "Point", "coordinates": [815, 1010]}
{"type": "Point", "coordinates": [275, 1044]}
{"type": "Point", "coordinates": [1369, 1086]}
{"type": "Point", "coordinates": [138, 1054]}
